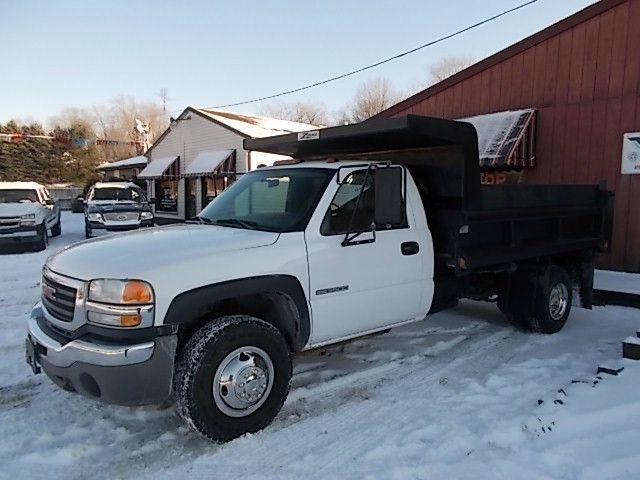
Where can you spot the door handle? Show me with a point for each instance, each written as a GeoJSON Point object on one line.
{"type": "Point", "coordinates": [409, 248]}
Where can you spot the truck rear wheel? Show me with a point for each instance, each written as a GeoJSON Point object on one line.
{"type": "Point", "coordinates": [543, 307]}
{"type": "Point", "coordinates": [553, 302]}
{"type": "Point", "coordinates": [232, 377]}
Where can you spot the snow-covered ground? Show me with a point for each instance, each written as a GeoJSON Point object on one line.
{"type": "Point", "coordinates": [454, 396]}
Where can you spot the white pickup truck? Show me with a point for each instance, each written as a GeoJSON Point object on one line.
{"type": "Point", "coordinates": [27, 213]}
{"type": "Point", "coordinates": [369, 227]}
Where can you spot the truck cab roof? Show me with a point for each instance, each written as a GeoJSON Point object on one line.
{"type": "Point", "coordinates": [115, 185]}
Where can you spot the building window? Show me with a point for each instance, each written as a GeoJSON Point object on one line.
{"type": "Point", "coordinates": [166, 195]}
{"type": "Point", "coordinates": [214, 186]}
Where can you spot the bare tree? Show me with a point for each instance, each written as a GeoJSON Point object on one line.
{"type": "Point", "coordinates": [303, 112]}
{"type": "Point", "coordinates": [447, 66]}
{"type": "Point", "coordinates": [116, 120]}
{"type": "Point", "coordinates": [371, 98]}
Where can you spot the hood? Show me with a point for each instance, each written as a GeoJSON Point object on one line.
{"type": "Point", "coordinates": [17, 209]}
{"type": "Point", "coordinates": [139, 253]}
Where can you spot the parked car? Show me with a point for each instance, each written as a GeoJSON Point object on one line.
{"type": "Point", "coordinates": [371, 226]}
{"type": "Point", "coordinates": [27, 214]}
{"type": "Point", "coordinates": [116, 207]}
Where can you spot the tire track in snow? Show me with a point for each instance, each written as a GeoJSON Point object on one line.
{"type": "Point", "coordinates": [323, 407]}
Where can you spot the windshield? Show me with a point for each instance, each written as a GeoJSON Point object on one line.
{"type": "Point", "coordinates": [277, 200]}
{"type": "Point", "coordinates": [18, 196]}
{"type": "Point", "coordinates": [117, 194]}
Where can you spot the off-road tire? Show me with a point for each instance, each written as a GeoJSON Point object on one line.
{"type": "Point", "coordinates": [42, 241]}
{"type": "Point", "coordinates": [201, 357]}
{"type": "Point", "coordinates": [532, 312]}
{"type": "Point", "coordinates": [541, 321]}
{"type": "Point", "coordinates": [56, 230]}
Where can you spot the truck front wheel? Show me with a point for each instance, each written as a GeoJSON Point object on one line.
{"type": "Point", "coordinates": [232, 377]}
{"type": "Point", "coordinates": [56, 230]}
{"type": "Point", "coordinates": [42, 240]}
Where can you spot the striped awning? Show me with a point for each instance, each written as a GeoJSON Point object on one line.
{"type": "Point", "coordinates": [505, 139]}
{"type": "Point", "coordinates": [159, 167]}
{"type": "Point", "coordinates": [219, 162]}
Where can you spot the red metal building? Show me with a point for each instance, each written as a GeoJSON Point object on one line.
{"type": "Point", "coordinates": [582, 76]}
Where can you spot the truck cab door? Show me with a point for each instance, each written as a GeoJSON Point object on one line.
{"type": "Point", "coordinates": [373, 281]}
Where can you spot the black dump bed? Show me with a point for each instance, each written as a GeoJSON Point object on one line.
{"type": "Point", "coordinates": [474, 226]}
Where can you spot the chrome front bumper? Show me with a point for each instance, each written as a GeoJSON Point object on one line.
{"type": "Point", "coordinates": [83, 351]}
{"type": "Point", "coordinates": [114, 372]}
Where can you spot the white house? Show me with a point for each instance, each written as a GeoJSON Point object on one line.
{"type": "Point", "coordinates": [200, 154]}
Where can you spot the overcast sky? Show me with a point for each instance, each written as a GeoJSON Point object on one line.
{"type": "Point", "coordinates": [208, 53]}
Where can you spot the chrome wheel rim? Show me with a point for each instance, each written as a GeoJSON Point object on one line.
{"type": "Point", "coordinates": [243, 381]}
{"type": "Point", "coordinates": [558, 301]}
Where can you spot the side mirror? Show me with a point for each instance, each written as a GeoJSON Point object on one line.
{"type": "Point", "coordinates": [49, 201]}
{"type": "Point", "coordinates": [389, 206]}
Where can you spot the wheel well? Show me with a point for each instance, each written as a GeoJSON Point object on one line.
{"type": "Point", "coordinates": [275, 308]}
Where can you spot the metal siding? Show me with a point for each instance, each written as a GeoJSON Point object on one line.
{"type": "Point", "coordinates": [577, 63]}
{"type": "Point", "coordinates": [528, 60]}
{"type": "Point", "coordinates": [564, 62]}
{"type": "Point", "coordinates": [457, 101]}
{"type": "Point", "coordinates": [570, 162]}
{"type": "Point", "coordinates": [505, 84]}
{"type": "Point", "coordinates": [589, 64]}
{"type": "Point", "coordinates": [631, 84]}
{"type": "Point", "coordinates": [583, 151]}
{"type": "Point", "coordinates": [619, 50]}
{"type": "Point", "coordinates": [603, 65]}
{"type": "Point", "coordinates": [539, 66]}
{"type": "Point", "coordinates": [551, 70]}
{"type": "Point", "coordinates": [516, 82]}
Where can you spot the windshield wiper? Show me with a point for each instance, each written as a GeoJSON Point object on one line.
{"type": "Point", "coordinates": [247, 224]}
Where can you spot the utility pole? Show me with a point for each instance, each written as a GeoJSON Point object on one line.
{"type": "Point", "coordinates": [164, 96]}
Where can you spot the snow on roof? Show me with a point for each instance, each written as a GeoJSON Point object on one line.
{"type": "Point", "coordinates": [19, 185]}
{"type": "Point", "coordinates": [497, 133]}
{"type": "Point", "coordinates": [127, 162]}
{"type": "Point", "coordinates": [157, 167]}
{"type": "Point", "coordinates": [207, 162]}
{"type": "Point", "coordinates": [255, 125]}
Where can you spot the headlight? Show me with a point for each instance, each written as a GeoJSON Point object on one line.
{"type": "Point", "coordinates": [94, 217]}
{"type": "Point", "coordinates": [121, 292]}
{"type": "Point", "coordinates": [120, 303]}
{"type": "Point", "coordinates": [146, 216]}
{"type": "Point", "coordinates": [28, 219]}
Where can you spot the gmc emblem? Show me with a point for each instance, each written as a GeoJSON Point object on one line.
{"type": "Point", "coordinates": [48, 291]}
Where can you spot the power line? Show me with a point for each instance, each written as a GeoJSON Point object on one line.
{"type": "Point", "coordinates": [386, 60]}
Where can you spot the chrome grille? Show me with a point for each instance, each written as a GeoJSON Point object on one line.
{"type": "Point", "coordinates": [121, 216]}
{"type": "Point", "coordinates": [58, 299]}
{"type": "Point", "coordinates": [9, 222]}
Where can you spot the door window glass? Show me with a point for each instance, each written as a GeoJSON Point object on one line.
{"type": "Point", "coordinates": [346, 213]}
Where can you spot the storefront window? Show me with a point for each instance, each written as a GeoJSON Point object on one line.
{"type": "Point", "coordinates": [166, 195]}
{"type": "Point", "coordinates": [213, 186]}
